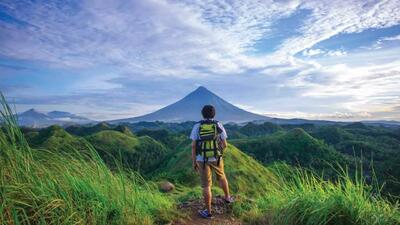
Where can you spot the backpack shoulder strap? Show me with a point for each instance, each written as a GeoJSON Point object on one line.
{"type": "Point", "coordinates": [219, 130]}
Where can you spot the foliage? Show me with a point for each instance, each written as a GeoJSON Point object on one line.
{"type": "Point", "coordinates": [88, 129]}
{"type": "Point", "coordinates": [64, 180]}
{"type": "Point", "coordinates": [48, 187]}
{"type": "Point", "coordinates": [300, 197]}
{"type": "Point", "coordinates": [295, 147]}
{"type": "Point", "coordinates": [57, 139]}
{"type": "Point", "coordinates": [142, 154]}
{"type": "Point", "coordinates": [247, 175]}
{"type": "Point", "coordinates": [169, 139]}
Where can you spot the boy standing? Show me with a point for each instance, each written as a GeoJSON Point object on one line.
{"type": "Point", "coordinates": [208, 142]}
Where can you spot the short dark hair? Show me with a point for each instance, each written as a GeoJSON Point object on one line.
{"type": "Point", "coordinates": [208, 112]}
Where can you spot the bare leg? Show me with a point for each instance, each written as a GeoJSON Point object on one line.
{"type": "Point", "coordinates": [223, 183]}
{"type": "Point", "coordinates": [207, 198]}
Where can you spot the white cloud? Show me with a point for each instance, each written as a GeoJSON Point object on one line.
{"type": "Point", "coordinates": [171, 38]}
{"type": "Point", "coordinates": [379, 43]}
{"type": "Point", "coordinates": [341, 116]}
{"type": "Point", "coordinates": [330, 18]}
{"type": "Point", "coordinates": [394, 38]}
{"type": "Point", "coordinates": [320, 52]}
{"type": "Point", "coordinates": [313, 52]}
{"type": "Point", "coordinates": [336, 53]}
{"type": "Point", "coordinates": [372, 88]}
{"type": "Point", "coordinates": [151, 37]}
{"type": "Point", "coordinates": [207, 39]}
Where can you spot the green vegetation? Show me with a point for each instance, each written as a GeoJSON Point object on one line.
{"type": "Point", "coordinates": [113, 144]}
{"type": "Point", "coordinates": [251, 129]}
{"type": "Point", "coordinates": [281, 194]}
{"type": "Point", "coordinates": [87, 130]}
{"type": "Point", "coordinates": [169, 139]}
{"type": "Point", "coordinates": [51, 176]}
{"type": "Point", "coordinates": [378, 148]}
{"type": "Point", "coordinates": [47, 187]}
{"type": "Point", "coordinates": [295, 147]}
{"type": "Point", "coordinates": [142, 154]}
{"type": "Point", "coordinates": [299, 197]}
{"type": "Point", "coordinates": [57, 139]}
{"type": "Point", "coordinates": [248, 176]}
{"type": "Point", "coordinates": [317, 147]}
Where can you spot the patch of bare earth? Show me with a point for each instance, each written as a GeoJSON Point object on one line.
{"type": "Point", "coordinates": [222, 213]}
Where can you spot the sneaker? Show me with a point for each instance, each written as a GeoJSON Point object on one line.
{"type": "Point", "coordinates": [229, 200]}
{"type": "Point", "coordinates": [205, 214]}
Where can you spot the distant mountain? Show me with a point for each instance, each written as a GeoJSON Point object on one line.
{"type": "Point", "coordinates": [33, 118]}
{"type": "Point", "coordinates": [385, 123]}
{"type": "Point", "coordinates": [186, 109]}
{"type": "Point", "coordinates": [189, 109]}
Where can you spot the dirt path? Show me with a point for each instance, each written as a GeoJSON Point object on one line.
{"type": "Point", "coordinates": [222, 213]}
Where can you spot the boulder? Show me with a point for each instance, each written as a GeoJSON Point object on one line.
{"type": "Point", "coordinates": [166, 186]}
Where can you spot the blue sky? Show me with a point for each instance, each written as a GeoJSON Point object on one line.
{"type": "Point", "coordinates": [336, 60]}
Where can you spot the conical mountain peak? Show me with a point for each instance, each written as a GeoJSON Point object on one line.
{"type": "Point", "coordinates": [201, 89]}
{"type": "Point", "coordinates": [32, 112]}
{"type": "Point", "coordinates": [189, 109]}
{"type": "Point", "coordinates": [200, 94]}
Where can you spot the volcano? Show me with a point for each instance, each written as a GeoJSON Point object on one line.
{"type": "Point", "coordinates": [189, 109]}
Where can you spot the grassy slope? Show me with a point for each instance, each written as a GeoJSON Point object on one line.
{"type": "Point", "coordinates": [58, 188]}
{"type": "Point", "coordinates": [56, 138]}
{"type": "Point", "coordinates": [117, 145]}
{"type": "Point", "coordinates": [53, 187]}
{"type": "Point", "coordinates": [138, 153]}
{"type": "Point", "coordinates": [281, 194]}
{"type": "Point", "coordinates": [303, 198]}
{"type": "Point", "coordinates": [295, 147]}
{"type": "Point", "coordinates": [245, 174]}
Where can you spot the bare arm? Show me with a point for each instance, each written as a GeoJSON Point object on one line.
{"type": "Point", "coordinates": [194, 155]}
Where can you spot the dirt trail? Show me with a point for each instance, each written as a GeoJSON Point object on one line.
{"type": "Point", "coordinates": [222, 213]}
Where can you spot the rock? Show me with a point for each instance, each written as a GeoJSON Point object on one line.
{"type": "Point", "coordinates": [166, 186]}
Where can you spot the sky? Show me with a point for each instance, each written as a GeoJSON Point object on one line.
{"type": "Point", "coordinates": [109, 59]}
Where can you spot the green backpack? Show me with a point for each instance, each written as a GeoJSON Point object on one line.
{"type": "Point", "coordinates": [207, 145]}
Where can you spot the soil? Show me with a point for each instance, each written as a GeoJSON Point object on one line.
{"type": "Point", "coordinates": [222, 213]}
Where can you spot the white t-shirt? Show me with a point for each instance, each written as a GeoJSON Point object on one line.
{"type": "Point", "coordinates": [194, 135]}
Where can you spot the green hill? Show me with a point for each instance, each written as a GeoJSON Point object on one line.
{"type": "Point", "coordinates": [332, 134]}
{"type": "Point", "coordinates": [247, 176]}
{"type": "Point", "coordinates": [124, 129]}
{"type": "Point", "coordinates": [377, 148]}
{"type": "Point", "coordinates": [295, 147]}
{"type": "Point", "coordinates": [138, 153]}
{"type": "Point", "coordinates": [55, 138]}
{"type": "Point", "coordinates": [251, 129]}
{"type": "Point", "coordinates": [88, 130]}
{"type": "Point", "coordinates": [117, 144]}
{"type": "Point", "coordinates": [169, 139]}
{"type": "Point", "coordinates": [46, 187]}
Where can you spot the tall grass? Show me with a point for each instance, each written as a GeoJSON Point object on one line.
{"type": "Point", "coordinates": [44, 187]}
{"type": "Point", "coordinates": [300, 197]}
{"type": "Point", "coordinates": [75, 187]}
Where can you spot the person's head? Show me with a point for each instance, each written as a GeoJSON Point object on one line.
{"type": "Point", "coordinates": [208, 112]}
